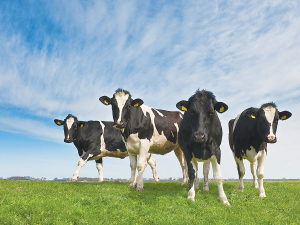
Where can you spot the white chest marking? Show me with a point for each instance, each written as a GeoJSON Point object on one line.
{"type": "Point", "coordinates": [102, 145]}
{"type": "Point", "coordinates": [121, 99]}
{"type": "Point", "coordinates": [270, 114]}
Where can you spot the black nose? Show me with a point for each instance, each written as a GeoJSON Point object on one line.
{"type": "Point", "coordinates": [199, 137]}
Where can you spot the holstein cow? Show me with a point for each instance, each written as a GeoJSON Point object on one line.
{"type": "Point", "coordinates": [145, 130]}
{"type": "Point", "coordinates": [249, 134]}
{"type": "Point", "coordinates": [94, 140]}
{"type": "Point", "coordinates": [200, 136]}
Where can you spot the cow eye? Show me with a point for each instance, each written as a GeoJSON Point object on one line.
{"type": "Point", "coordinates": [128, 107]}
{"type": "Point", "coordinates": [211, 113]}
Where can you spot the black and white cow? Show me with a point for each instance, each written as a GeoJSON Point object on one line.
{"type": "Point", "coordinates": [94, 140]}
{"type": "Point", "coordinates": [145, 130]}
{"type": "Point", "coordinates": [249, 134]}
{"type": "Point", "coordinates": [200, 136]}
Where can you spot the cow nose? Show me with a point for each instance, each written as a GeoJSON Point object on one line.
{"type": "Point", "coordinates": [67, 140]}
{"type": "Point", "coordinates": [199, 137]}
{"type": "Point", "coordinates": [271, 138]}
{"type": "Point", "coordinates": [119, 124]}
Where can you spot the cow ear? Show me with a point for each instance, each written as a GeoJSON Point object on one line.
{"type": "Point", "coordinates": [105, 100]}
{"type": "Point", "coordinates": [59, 122]}
{"type": "Point", "coordinates": [183, 105]}
{"type": "Point", "coordinates": [221, 107]}
{"type": "Point", "coordinates": [284, 115]}
{"type": "Point", "coordinates": [137, 102]}
{"type": "Point", "coordinates": [252, 113]}
{"type": "Point", "coordinates": [81, 124]}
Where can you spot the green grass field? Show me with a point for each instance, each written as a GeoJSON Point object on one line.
{"type": "Point", "coordinates": [47, 202]}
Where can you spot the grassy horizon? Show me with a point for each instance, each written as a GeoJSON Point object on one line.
{"type": "Point", "coordinates": [46, 202]}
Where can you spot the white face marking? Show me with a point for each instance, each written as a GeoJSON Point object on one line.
{"type": "Point", "coordinates": [270, 114]}
{"type": "Point", "coordinates": [69, 123]}
{"type": "Point", "coordinates": [121, 98]}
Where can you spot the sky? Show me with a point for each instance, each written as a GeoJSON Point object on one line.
{"type": "Point", "coordinates": [59, 57]}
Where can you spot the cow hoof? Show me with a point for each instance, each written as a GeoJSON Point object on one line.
{"type": "Point", "coordinates": [73, 180]}
{"type": "Point", "coordinates": [132, 185]}
{"type": "Point", "coordinates": [139, 189]}
{"type": "Point", "coordinates": [241, 190]}
{"type": "Point", "coordinates": [226, 203]}
{"type": "Point", "coordinates": [205, 188]}
{"type": "Point", "coordinates": [184, 182]}
{"type": "Point", "coordinates": [156, 180]}
{"type": "Point", "coordinates": [262, 195]}
{"type": "Point", "coordinates": [192, 198]}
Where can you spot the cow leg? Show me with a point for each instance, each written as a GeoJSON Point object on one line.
{"type": "Point", "coordinates": [81, 163]}
{"type": "Point", "coordinates": [180, 156]}
{"type": "Point", "coordinates": [142, 163]}
{"type": "Point", "coordinates": [99, 166]}
{"type": "Point", "coordinates": [253, 171]}
{"type": "Point", "coordinates": [241, 171]}
{"type": "Point", "coordinates": [206, 166]}
{"type": "Point", "coordinates": [191, 172]}
{"type": "Point", "coordinates": [218, 179]}
{"type": "Point", "coordinates": [133, 160]}
{"type": "Point", "coordinates": [260, 173]}
{"type": "Point", "coordinates": [195, 166]}
{"type": "Point", "coordinates": [152, 164]}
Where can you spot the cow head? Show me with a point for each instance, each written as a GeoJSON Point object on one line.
{"type": "Point", "coordinates": [201, 110]}
{"type": "Point", "coordinates": [70, 127]}
{"type": "Point", "coordinates": [121, 104]}
{"type": "Point", "coordinates": [266, 118]}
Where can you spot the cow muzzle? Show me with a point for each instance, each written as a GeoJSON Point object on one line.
{"type": "Point", "coordinates": [271, 139]}
{"type": "Point", "coordinates": [67, 140]}
{"type": "Point", "coordinates": [199, 137]}
{"type": "Point", "coordinates": [119, 125]}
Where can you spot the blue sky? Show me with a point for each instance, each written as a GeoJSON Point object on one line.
{"type": "Point", "coordinates": [59, 57]}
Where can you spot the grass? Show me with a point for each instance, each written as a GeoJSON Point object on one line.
{"type": "Point", "coordinates": [47, 202]}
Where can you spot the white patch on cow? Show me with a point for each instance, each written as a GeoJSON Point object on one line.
{"type": "Point", "coordinates": [172, 133]}
{"type": "Point", "coordinates": [102, 145]}
{"type": "Point", "coordinates": [270, 114]}
{"type": "Point", "coordinates": [69, 123]}
{"type": "Point", "coordinates": [100, 167]}
{"type": "Point", "coordinates": [251, 154]}
{"type": "Point", "coordinates": [159, 113]}
{"type": "Point", "coordinates": [83, 153]}
{"type": "Point", "coordinates": [121, 98]}
{"type": "Point", "coordinates": [236, 119]}
{"type": "Point", "coordinates": [181, 115]}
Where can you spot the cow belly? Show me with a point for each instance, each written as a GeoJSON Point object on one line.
{"type": "Point", "coordinates": [162, 149]}
{"type": "Point", "coordinates": [116, 154]}
{"type": "Point", "coordinates": [251, 155]}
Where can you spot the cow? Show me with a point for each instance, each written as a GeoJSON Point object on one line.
{"type": "Point", "coordinates": [95, 140]}
{"type": "Point", "coordinates": [249, 134]}
{"type": "Point", "coordinates": [200, 136]}
{"type": "Point", "coordinates": [145, 130]}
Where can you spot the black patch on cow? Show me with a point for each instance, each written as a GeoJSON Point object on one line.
{"type": "Point", "coordinates": [138, 123]}
{"type": "Point", "coordinates": [201, 104]}
{"type": "Point", "coordinates": [112, 138]}
{"type": "Point", "coordinates": [166, 125]}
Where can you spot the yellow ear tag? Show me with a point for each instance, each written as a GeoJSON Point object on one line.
{"type": "Point", "coordinates": [221, 109]}
{"type": "Point", "coordinates": [58, 123]}
{"type": "Point", "coordinates": [81, 125]}
{"type": "Point", "coordinates": [283, 118]}
{"type": "Point", "coordinates": [136, 105]}
{"type": "Point", "coordinates": [252, 116]}
{"type": "Point", "coordinates": [106, 102]}
{"type": "Point", "coordinates": [183, 108]}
